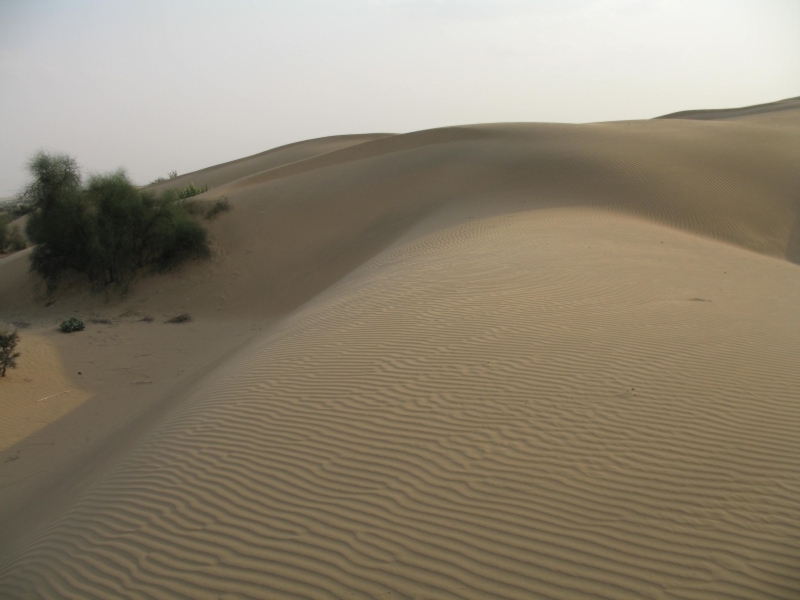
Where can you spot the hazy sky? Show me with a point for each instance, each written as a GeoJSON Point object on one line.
{"type": "Point", "coordinates": [170, 84]}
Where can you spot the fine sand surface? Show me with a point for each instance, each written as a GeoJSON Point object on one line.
{"type": "Point", "coordinates": [493, 361]}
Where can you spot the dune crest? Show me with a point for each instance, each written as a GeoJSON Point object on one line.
{"type": "Point", "coordinates": [497, 361]}
{"type": "Point", "coordinates": [526, 405]}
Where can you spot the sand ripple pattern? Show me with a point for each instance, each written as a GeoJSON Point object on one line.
{"type": "Point", "coordinates": [498, 410]}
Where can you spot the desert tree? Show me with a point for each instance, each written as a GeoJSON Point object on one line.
{"type": "Point", "coordinates": [108, 229]}
{"type": "Point", "coordinates": [60, 224]}
{"type": "Point", "coordinates": [8, 344]}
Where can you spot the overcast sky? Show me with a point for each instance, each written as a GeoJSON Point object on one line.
{"type": "Point", "coordinates": [171, 84]}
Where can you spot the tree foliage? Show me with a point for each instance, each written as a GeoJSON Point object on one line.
{"type": "Point", "coordinates": [8, 344]}
{"type": "Point", "coordinates": [107, 229]}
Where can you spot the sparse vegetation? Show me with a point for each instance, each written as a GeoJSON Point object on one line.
{"type": "Point", "coordinates": [108, 229]}
{"type": "Point", "coordinates": [220, 206]}
{"type": "Point", "coordinates": [172, 175]}
{"type": "Point", "coordinates": [184, 318]}
{"type": "Point", "coordinates": [207, 209]}
{"type": "Point", "coordinates": [71, 324]}
{"type": "Point", "coordinates": [191, 190]}
{"type": "Point", "coordinates": [8, 344]}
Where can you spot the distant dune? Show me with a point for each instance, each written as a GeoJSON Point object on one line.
{"type": "Point", "coordinates": [492, 361]}
{"type": "Point", "coordinates": [757, 110]}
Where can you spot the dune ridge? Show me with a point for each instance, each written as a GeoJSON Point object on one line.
{"type": "Point", "coordinates": [504, 361]}
{"type": "Point", "coordinates": [317, 218]}
{"type": "Point", "coordinates": [734, 113]}
{"type": "Point", "coordinates": [542, 447]}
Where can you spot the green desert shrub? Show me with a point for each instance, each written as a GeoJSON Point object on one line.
{"type": "Point", "coordinates": [71, 324]}
{"type": "Point", "coordinates": [191, 190]}
{"type": "Point", "coordinates": [8, 344]}
{"type": "Point", "coordinates": [107, 229]}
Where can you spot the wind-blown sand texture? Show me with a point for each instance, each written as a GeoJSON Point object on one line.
{"type": "Point", "coordinates": [505, 361]}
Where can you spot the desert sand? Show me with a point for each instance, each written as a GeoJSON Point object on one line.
{"type": "Point", "coordinates": [493, 361]}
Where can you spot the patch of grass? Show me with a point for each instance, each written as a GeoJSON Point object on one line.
{"type": "Point", "coordinates": [71, 324]}
{"type": "Point", "coordinates": [147, 319]}
{"type": "Point", "coordinates": [220, 206]}
{"type": "Point", "coordinates": [184, 318]}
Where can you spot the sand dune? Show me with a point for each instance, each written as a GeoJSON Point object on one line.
{"type": "Point", "coordinates": [318, 218]}
{"type": "Point", "coordinates": [230, 171]}
{"type": "Point", "coordinates": [757, 110]}
{"type": "Point", "coordinates": [504, 361]}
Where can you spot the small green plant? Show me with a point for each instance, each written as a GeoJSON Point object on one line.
{"type": "Point", "coordinates": [191, 190]}
{"type": "Point", "coordinates": [71, 324]}
{"type": "Point", "coordinates": [184, 318]}
{"type": "Point", "coordinates": [173, 174]}
{"type": "Point", "coordinates": [8, 354]}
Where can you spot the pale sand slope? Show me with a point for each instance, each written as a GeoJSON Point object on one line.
{"type": "Point", "coordinates": [119, 370]}
{"type": "Point", "coordinates": [563, 402]}
{"type": "Point", "coordinates": [297, 228]}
